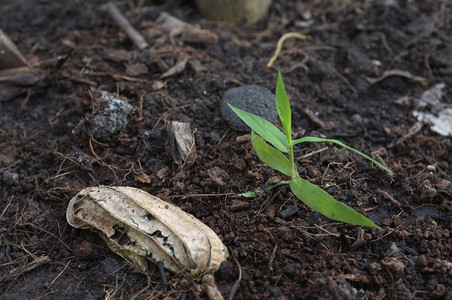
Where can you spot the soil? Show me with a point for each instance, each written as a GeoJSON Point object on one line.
{"type": "Point", "coordinates": [46, 159]}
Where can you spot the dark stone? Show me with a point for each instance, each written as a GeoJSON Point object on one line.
{"type": "Point", "coordinates": [82, 266]}
{"type": "Point", "coordinates": [251, 98]}
{"type": "Point", "coordinates": [289, 211]}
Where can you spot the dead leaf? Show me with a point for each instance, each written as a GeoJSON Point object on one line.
{"type": "Point", "coordinates": [176, 69]}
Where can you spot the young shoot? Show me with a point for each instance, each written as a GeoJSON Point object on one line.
{"type": "Point", "coordinates": [275, 148]}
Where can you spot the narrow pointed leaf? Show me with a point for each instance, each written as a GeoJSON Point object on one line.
{"type": "Point", "coordinates": [283, 107]}
{"type": "Point", "coordinates": [264, 128]}
{"type": "Point", "coordinates": [249, 194]}
{"type": "Point", "coordinates": [317, 139]}
{"type": "Point", "coordinates": [271, 156]}
{"type": "Point", "coordinates": [321, 201]}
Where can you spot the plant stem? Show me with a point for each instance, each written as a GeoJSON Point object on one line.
{"type": "Point", "coordinates": [292, 161]}
{"type": "Point", "coordinates": [282, 182]}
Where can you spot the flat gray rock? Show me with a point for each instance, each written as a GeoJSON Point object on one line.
{"type": "Point", "coordinates": [251, 98]}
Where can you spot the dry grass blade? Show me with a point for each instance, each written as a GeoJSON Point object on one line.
{"type": "Point", "coordinates": [280, 43]}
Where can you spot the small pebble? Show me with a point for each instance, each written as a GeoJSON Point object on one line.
{"type": "Point", "coordinates": [82, 266]}
{"type": "Point", "coordinates": [291, 268]}
{"type": "Point", "coordinates": [273, 290]}
{"type": "Point", "coordinates": [431, 168]}
{"type": "Point", "coordinates": [243, 138]}
{"type": "Point", "coordinates": [9, 178]}
{"type": "Point", "coordinates": [251, 98]}
{"type": "Point", "coordinates": [356, 118]}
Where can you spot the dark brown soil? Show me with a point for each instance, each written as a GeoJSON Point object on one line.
{"type": "Point", "coordinates": [44, 162]}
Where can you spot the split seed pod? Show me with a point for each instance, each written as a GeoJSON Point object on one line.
{"type": "Point", "coordinates": [141, 227]}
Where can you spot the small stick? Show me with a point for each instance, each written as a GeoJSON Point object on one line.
{"type": "Point", "coordinates": [125, 26]}
{"type": "Point", "coordinates": [389, 197]}
{"type": "Point", "coordinates": [280, 42]}
{"type": "Point", "coordinates": [25, 269]}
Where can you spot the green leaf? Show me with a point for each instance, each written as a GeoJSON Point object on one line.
{"type": "Point", "coordinates": [283, 107]}
{"type": "Point", "coordinates": [269, 155]}
{"type": "Point", "coordinates": [317, 139]}
{"type": "Point", "coordinates": [249, 194]}
{"type": "Point", "coordinates": [321, 201]}
{"type": "Point", "coordinates": [264, 128]}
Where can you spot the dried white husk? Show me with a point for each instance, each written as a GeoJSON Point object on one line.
{"type": "Point", "coordinates": [141, 228]}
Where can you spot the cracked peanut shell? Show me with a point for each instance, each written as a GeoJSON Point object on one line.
{"type": "Point", "coordinates": [141, 228]}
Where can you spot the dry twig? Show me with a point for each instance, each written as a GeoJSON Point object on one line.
{"type": "Point", "coordinates": [125, 26]}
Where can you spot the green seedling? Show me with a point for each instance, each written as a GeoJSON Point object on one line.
{"type": "Point", "coordinates": [275, 148]}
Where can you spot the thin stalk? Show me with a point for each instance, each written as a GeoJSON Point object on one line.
{"type": "Point", "coordinates": [282, 182]}
{"type": "Point", "coordinates": [292, 161]}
